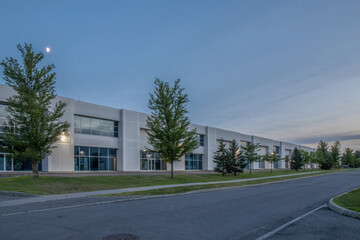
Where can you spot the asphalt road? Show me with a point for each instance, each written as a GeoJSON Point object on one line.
{"type": "Point", "coordinates": [237, 213]}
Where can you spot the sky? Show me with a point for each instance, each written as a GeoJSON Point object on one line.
{"type": "Point", "coordinates": [287, 70]}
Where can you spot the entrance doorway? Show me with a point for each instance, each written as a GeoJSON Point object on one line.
{"type": "Point", "coordinates": [6, 162]}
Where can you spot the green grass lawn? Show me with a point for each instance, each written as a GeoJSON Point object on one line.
{"type": "Point", "coordinates": [351, 200]}
{"type": "Point", "coordinates": [57, 185]}
{"type": "Point", "coordinates": [176, 190]}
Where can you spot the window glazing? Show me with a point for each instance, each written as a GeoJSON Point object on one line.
{"type": "Point", "coordinates": [151, 161]}
{"type": "Point", "coordinates": [262, 164]}
{"type": "Point", "coordinates": [94, 159]}
{"type": "Point", "coordinates": [201, 140]}
{"type": "Point", "coordinates": [95, 126]}
{"type": "Point", "coordinates": [277, 149]}
{"type": "Point", "coordinates": [3, 118]}
{"type": "Point", "coordinates": [193, 161]}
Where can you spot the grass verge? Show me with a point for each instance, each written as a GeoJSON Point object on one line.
{"type": "Point", "coordinates": [57, 185]}
{"type": "Point", "coordinates": [185, 189]}
{"type": "Point", "coordinates": [350, 200]}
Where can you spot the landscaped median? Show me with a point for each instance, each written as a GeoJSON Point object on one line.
{"type": "Point", "coordinates": [347, 204]}
{"type": "Point", "coordinates": [46, 185]}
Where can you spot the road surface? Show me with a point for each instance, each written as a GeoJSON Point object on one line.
{"type": "Point", "coordinates": [237, 213]}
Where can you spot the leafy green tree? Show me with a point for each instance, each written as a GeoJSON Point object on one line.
{"type": "Point", "coordinates": [357, 163]}
{"type": "Point", "coordinates": [296, 160]}
{"type": "Point", "coordinates": [251, 155]}
{"type": "Point", "coordinates": [274, 157]}
{"type": "Point", "coordinates": [271, 158]}
{"type": "Point", "coordinates": [168, 124]}
{"type": "Point", "coordinates": [348, 157]}
{"type": "Point", "coordinates": [323, 156]}
{"type": "Point", "coordinates": [235, 162]}
{"type": "Point", "coordinates": [287, 160]}
{"type": "Point", "coordinates": [335, 153]}
{"type": "Point", "coordinates": [221, 158]}
{"type": "Point", "coordinates": [33, 110]}
{"type": "Point", "coordinates": [306, 158]}
{"type": "Point", "coordinates": [313, 159]}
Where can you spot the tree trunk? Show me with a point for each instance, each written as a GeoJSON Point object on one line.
{"type": "Point", "coordinates": [35, 169]}
{"type": "Point", "coordinates": [172, 170]}
{"type": "Point", "coordinates": [250, 167]}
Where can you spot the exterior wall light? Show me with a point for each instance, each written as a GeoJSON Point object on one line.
{"type": "Point", "coordinates": [64, 137]}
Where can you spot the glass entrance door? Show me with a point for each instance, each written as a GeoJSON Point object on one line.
{"type": "Point", "coordinates": [2, 162]}
{"type": "Point", "coordinates": [151, 164]}
{"type": "Point", "coordinates": [9, 164]}
{"type": "Point", "coordinates": [6, 162]}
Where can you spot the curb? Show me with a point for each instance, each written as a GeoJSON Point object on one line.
{"type": "Point", "coordinates": [341, 210]}
{"type": "Point", "coordinates": [19, 194]}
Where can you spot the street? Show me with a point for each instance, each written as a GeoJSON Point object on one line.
{"type": "Point", "coordinates": [235, 213]}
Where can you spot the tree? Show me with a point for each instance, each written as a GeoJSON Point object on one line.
{"type": "Point", "coordinates": [313, 159]}
{"type": "Point", "coordinates": [348, 157]}
{"type": "Point", "coordinates": [168, 124]}
{"type": "Point", "coordinates": [32, 111]}
{"type": "Point", "coordinates": [335, 153]}
{"type": "Point", "coordinates": [287, 160]}
{"type": "Point", "coordinates": [271, 158]}
{"type": "Point", "coordinates": [250, 153]}
{"type": "Point", "coordinates": [323, 156]}
{"type": "Point", "coordinates": [274, 157]}
{"type": "Point", "coordinates": [235, 160]}
{"type": "Point", "coordinates": [296, 160]}
{"type": "Point", "coordinates": [305, 157]}
{"type": "Point", "coordinates": [221, 158]}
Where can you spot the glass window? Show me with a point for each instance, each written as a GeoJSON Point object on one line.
{"type": "Point", "coordinates": [95, 126]}
{"type": "Point", "coordinates": [76, 150]}
{"type": "Point", "coordinates": [151, 161]}
{"type": "Point", "coordinates": [201, 140]}
{"type": "Point", "coordinates": [2, 159]}
{"type": "Point", "coordinates": [277, 149]}
{"type": "Point", "coordinates": [94, 159]}
{"type": "Point", "coordinates": [261, 164]}
{"type": "Point", "coordinates": [94, 151]}
{"type": "Point", "coordinates": [103, 164]}
{"type": "Point", "coordinates": [76, 163]}
{"type": "Point", "coordinates": [193, 161]}
{"type": "Point", "coordinates": [94, 163]}
{"type": "Point", "coordinates": [112, 152]}
{"type": "Point", "coordinates": [85, 122]}
{"type": "Point", "coordinates": [103, 152]}
{"type": "Point", "coordinates": [4, 123]}
{"type": "Point", "coordinates": [84, 151]}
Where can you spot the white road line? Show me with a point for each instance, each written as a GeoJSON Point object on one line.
{"type": "Point", "coordinates": [269, 234]}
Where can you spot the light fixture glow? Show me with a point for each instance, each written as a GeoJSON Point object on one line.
{"type": "Point", "coordinates": [63, 138]}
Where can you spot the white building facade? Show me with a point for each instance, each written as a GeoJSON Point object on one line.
{"type": "Point", "coordinates": [108, 139]}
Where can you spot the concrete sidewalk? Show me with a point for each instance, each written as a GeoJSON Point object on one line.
{"type": "Point", "coordinates": [46, 198]}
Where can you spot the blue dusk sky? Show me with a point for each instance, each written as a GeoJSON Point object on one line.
{"type": "Point", "coordinates": [288, 70]}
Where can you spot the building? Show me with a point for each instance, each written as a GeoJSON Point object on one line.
{"type": "Point", "coordinates": [108, 139]}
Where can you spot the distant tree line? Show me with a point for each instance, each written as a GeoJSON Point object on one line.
{"type": "Point", "coordinates": [234, 158]}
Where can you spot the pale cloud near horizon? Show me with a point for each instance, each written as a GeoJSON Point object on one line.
{"type": "Point", "coordinates": [328, 109]}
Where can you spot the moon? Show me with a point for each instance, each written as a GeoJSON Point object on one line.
{"type": "Point", "coordinates": [47, 49]}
